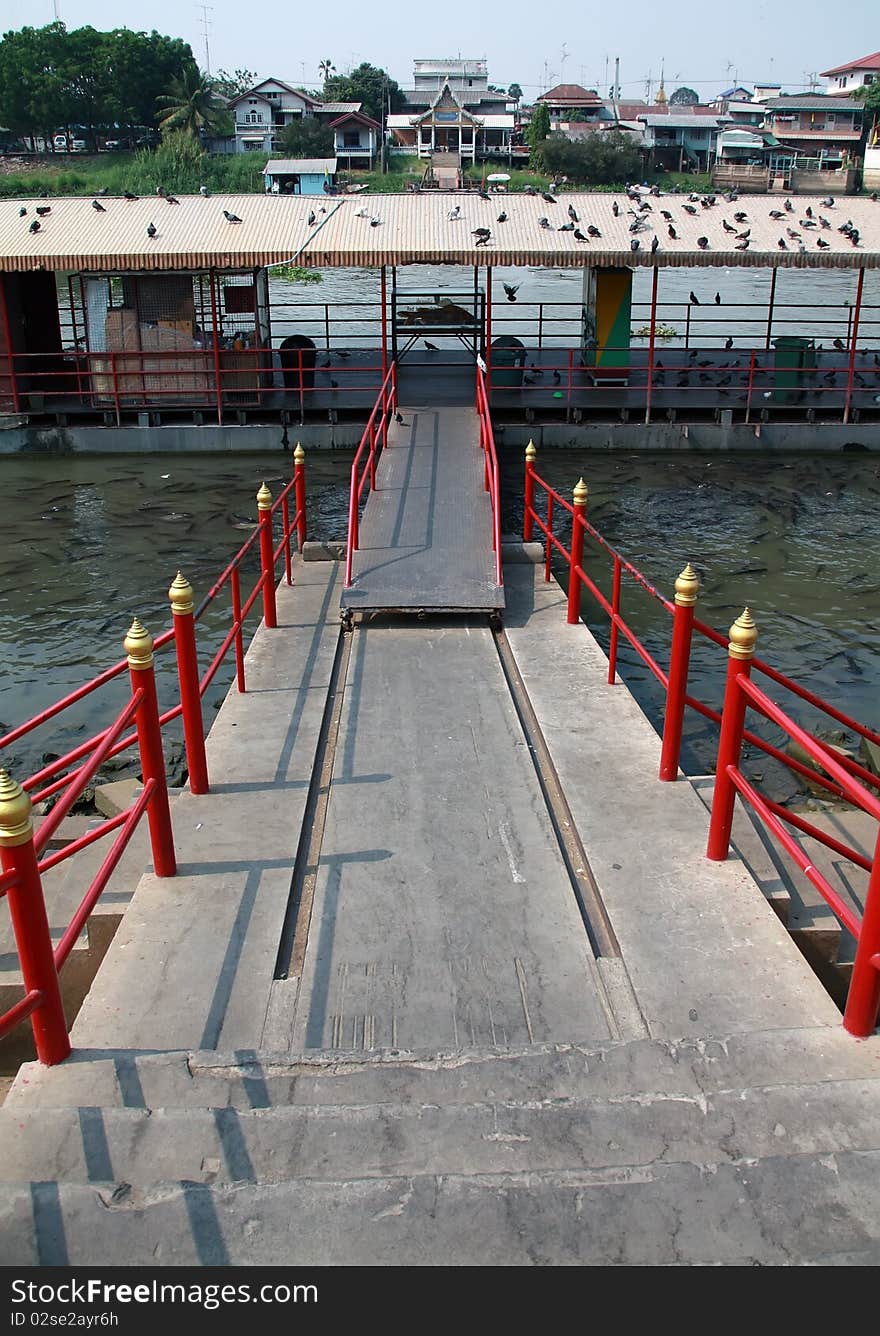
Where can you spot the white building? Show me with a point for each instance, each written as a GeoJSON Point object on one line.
{"type": "Point", "coordinates": [263, 111]}
{"type": "Point", "coordinates": [857, 74]}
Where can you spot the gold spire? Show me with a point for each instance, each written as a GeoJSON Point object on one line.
{"type": "Point", "coordinates": [580, 493]}
{"type": "Point", "coordinates": [181, 594]}
{"type": "Point", "coordinates": [138, 645]}
{"type": "Point", "coordinates": [687, 587]}
{"type": "Point", "coordinates": [16, 816]}
{"type": "Point", "coordinates": [743, 636]}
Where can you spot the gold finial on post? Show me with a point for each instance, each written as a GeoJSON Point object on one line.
{"type": "Point", "coordinates": [16, 812]}
{"type": "Point", "coordinates": [580, 493]}
{"type": "Point", "coordinates": [299, 453]}
{"type": "Point", "coordinates": [531, 452]}
{"type": "Point", "coordinates": [138, 645]}
{"type": "Point", "coordinates": [264, 498]}
{"type": "Point", "coordinates": [743, 636]}
{"type": "Point", "coordinates": [687, 587]}
{"type": "Point", "coordinates": [181, 595]}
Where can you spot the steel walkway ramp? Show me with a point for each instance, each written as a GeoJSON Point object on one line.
{"type": "Point", "coordinates": [426, 531]}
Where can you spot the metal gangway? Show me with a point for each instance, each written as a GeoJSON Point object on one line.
{"type": "Point", "coordinates": [429, 536]}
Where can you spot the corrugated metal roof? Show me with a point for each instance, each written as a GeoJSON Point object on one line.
{"type": "Point", "coordinates": [415, 228]}
{"type": "Point", "coordinates": [812, 101]}
{"type": "Point", "coordinates": [298, 167]}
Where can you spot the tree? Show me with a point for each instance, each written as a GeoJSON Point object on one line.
{"type": "Point", "coordinates": [869, 95]}
{"type": "Point", "coordinates": [537, 131]}
{"type": "Point", "coordinates": [366, 84]}
{"type": "Point", "coordinates": [231, 85]}
{"type": "Point", "coordinates": [326, 68]}
{"type": "Point", "coordinates": [684, 97]}
{"type": "Point", "coordinates": [307, 138]}
{"type": "Point", "coordinates": [604, 157]}
{"type": "Point", "coordinates": [191, 105]}
{"type": "Point", "coordinates": [515, 93]}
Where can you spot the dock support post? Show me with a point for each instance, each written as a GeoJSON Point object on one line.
{"type": "Point", "coordinates": [774, 271]}
{"type": "Point", "coordinates": [863, 999]}
{"type": "Point", "coordinates": [531, 454]}
{"type": "Point", "coordinates": [579, 498]}
{"type": "Point", "coordinates": [854, 334]}
{"type": "Point", "coordinates": [138, 645]}
{"type": "Point", "coordinates": [182, 608]}
{"type": "Point", "coordinates": [27, 909]}
{"type": "Point", "coordinates": [384, 300]}
{"type": "Point", "coordinates": [267, 556]}
{"type": "Point", "coordinates": [651, 340]}
{"type": "Point", "coordinates": [741, 649]}
{"type": "Point", "coordinates": [687, 587]}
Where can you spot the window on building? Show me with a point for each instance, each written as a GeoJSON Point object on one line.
{"type": "Point", "coordinates": [253, 147]}
{"type": "Point", "coordinates": [830, 118]}
{"type": "Point", "coordinates": [868, 79]}
{"type": "Point", "coordinates": [351, 139]}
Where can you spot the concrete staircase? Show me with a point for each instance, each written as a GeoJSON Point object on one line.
{"type": "Point", "coordinates": [810, 921]}
{"type": "Point", "coordinates": [758, 1148]}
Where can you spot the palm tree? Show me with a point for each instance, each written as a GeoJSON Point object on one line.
{"type": "Point", "coordinates": [326, 69]}
{"type": "Point", "coordinates": [191, 104]}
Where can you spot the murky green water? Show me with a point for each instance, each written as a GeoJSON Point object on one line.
{"type": "Point", "coordinates": [91, 542]}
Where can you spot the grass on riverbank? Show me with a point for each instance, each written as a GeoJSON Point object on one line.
{"type": "Point", "coordinates": [142, 172]}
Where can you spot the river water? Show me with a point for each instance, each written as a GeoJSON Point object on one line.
{"type": "Point", "coordinates": [90, 542]}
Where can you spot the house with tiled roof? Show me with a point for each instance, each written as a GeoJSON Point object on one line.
{"type": "Point", "coordinates": [262, 112]}
{"type": "Point", "coordinates": [859, 73]}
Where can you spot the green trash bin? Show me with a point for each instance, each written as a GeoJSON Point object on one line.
{"type": "Point", "coordinates": [508, 361]}
{"type": "Point", "coordinates": [793, 356]}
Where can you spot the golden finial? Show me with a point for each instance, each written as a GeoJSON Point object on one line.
{"type": "Point", "coordinates": [299, 453]}
{"type": "Point", "coordinates": [743, 636]}
{"type": "Point", "coordinates": [138, 645]}
{"type": "Point", "coordinates": [16, 815]}
{"type": "Point", "coordinates": [181, 594]}
{"type": "Point", "coordinates": [531, 452]}
{"type": "Point", "coordinates": [687, 586]}
{"type": "Point", "coordinates": [264, 498]}
{"type": "Point", "coordinates": [580, 493]}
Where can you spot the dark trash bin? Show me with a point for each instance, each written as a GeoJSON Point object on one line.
{"type": "Point", "coordinates": [289, 354]}
{"type": "Point", "coordinates": [793, 355]}
{"type": "Point", "coordinates": [508, 361]}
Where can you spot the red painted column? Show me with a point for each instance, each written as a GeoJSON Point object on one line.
{"type": "Point", "coordinates": [741, 649]}
{"type": "Point", "coordinates": [267, 556]}
{"type": "Point", "coordinates": [686, 589]}
{"type": "Point", "coordinates": [854, 334]}
{"type": "Point", "coordinates": [863, 999]}
{"type": "Point", "coordinates": [138, 645]}
{"type": "Point", "coordinates": [30, 925]}
{"type": "Point", "coordinates": [651, 342]}
{"type": "Point", "coordinates": [299, 474]}
{"type": "Point", "coordinates": [182, 607]}
{"type": "Point", "coordinates": [579, 497]}
{"type": "Point", "coordinates": [531, 454]}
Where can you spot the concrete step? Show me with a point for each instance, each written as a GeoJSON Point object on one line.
{"type": "Point", "coordinates": [329, 1141]}
{"type": "Point", "coordinates": [246, 1079]}
{"type": "Point", "coordinates": [780, 1211]}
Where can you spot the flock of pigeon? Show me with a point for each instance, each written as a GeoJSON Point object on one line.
{"type": "Point", "coordinates": [42, 211]}
{"type": "Point", "coordinates": [801, 226]}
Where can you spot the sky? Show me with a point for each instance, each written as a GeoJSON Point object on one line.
{"type": "Point", "coordinates": [708, 47]}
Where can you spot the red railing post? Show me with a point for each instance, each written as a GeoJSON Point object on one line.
{"type": "Point", "coordinates": [863, 999]}
{"type": "Point", "coordinates": [182, 607]}
{"type": "Point", "coordinates": [235, 586]}
{"type": "Point", "coordinates": [138, 645]}
{"type": "Point", "coordinates": [751, 382]}
{"type": "Point", "coordinates": [30, 925]}
{"type": "Point", "coordinates": [743, 637]}
{"type": "Point", "coordinates": [372, 427]}
{"type": "Point", "coordinates": [615, 613]}
{"type": "Point", "coordinates": [579, 497]}
{"type": "Point", "coordinates": [686, 589]}
{"type": "Point", "coordinates": [528, 519]}
{"type": "Point", "coordinates": [299, 492]}
{"type": "Point", "coordinates": [267, 556]}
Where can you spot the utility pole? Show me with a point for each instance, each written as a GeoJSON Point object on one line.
{"type": "Point", "coordinates": [206, 24]}
{"type": "Point", "coordinates": [617, 78]}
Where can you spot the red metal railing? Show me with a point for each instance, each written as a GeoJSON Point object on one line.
{"type": "Point", "coordinates": [490, 469]}
{"type": "Point", "coordinates": [363, 468]}
{"type": "Point", "coordinates": [863, 998]}
{"type": "Point", "coordinates": [839, 774]}
{"type": "Point", "coordinates": [22, 868]}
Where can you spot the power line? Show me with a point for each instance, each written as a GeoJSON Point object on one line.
{"type": "Point", "coordinates": [206, 24]}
